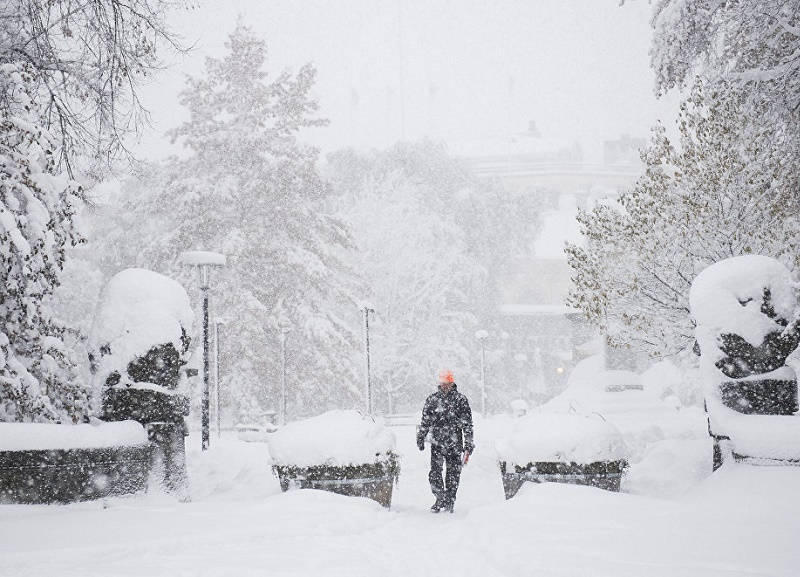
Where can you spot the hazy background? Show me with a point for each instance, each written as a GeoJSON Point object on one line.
{"type": "Point", "coordinates": [448, 69]}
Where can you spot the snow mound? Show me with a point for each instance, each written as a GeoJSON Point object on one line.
{"type": "Point", "coordinates": [551, 437]}
{"type": "Point", "coordinates": [138, 309]}
{"type": "Point", "coordinates": [670, 468]}
{"type": "Point", "coordinates": [337, 438]}
{"type": "Point", "coordinates": [229, 470]}
{"type": "Point", "coordinates": [629, 402]}
{"type": "Point", "coordinates": [619, 396]}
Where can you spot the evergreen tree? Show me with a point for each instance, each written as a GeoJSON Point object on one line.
{"type": "Point", "coordinates": [250, 189]}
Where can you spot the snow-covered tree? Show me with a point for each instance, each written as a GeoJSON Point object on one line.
{"type": "Point", "coordinates": [729, 187]}
{"type": "Point", "coordinates": [37, 209]}
{"type": "Point", "coordinates": [250, 189]}
{"type": "Point", "coordinates": [69, 71]}
{"type": "Point", "coordinates": [750, 45]}
{"type": "Point", "coordinates": [89, 60]}
{"type": "Point", "coordinates": [696, 204]}
{"type": "Point", "coordinates": [744, 51]}
{"type": "Point", "coordinates": [417, 272]}
{"type": "Point", "coordinates": [431, 240]}
{"type": "Point", "coordinates": [499, 225]}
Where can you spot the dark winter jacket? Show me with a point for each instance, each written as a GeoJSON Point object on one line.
{"type": "Point", "coordinates": [449, 419]}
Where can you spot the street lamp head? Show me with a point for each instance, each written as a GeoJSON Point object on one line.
{"type": "Point", "coordinates": [481, 335]}
{"type": "Point", "coordinates": [202, 259]}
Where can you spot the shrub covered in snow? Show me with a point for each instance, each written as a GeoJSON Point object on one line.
{"type": "Point", "coordinates": [140, 343]}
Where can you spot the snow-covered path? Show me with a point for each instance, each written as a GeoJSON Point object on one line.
{"type": "Point", "coordinates": [741, 521]}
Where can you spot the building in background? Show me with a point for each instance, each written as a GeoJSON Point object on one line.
{"type": "Point", "coordinates": [540, 338]}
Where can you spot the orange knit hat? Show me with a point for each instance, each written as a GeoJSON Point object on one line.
{"type": "Point", "coordinates": [446, 376]}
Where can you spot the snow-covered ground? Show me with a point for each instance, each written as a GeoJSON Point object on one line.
{"type": "Point", "coordinates": [742, 520]}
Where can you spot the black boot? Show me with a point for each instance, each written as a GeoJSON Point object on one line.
{"type": "Point", "coordinates": [438, 506]}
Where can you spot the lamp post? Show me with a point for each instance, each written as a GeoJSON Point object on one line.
{"type": "Point", "coordinates": [366, 308]}
{"type": "Point", "coordinates": [282, 402]}
{"type": "Point", "coordinates": [482, 335]}
{"type": "Point", "coordinates": [217, 324]}
{"type": "Point", "coordinates": [204, 260]}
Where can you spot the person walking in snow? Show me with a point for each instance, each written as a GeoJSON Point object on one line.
{"type": "Point", "coordinates": [448, 418]}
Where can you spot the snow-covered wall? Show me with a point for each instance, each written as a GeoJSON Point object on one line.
{"type": "Point", "coordinates": [48, 437]}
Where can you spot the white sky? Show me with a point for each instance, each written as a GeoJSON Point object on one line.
{"type": "Point", "coordinates": [469, 68]}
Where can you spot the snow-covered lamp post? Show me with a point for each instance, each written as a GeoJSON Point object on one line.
{"type": "Point", "coordinates": [367, 308]}
{"type": "Point", "coordinates": [482, 335]}
{"type": "Point", "coordinates": [217, 323]}
{"type": "Point", "coordinates": [282, 403]}
{"type": "Point", "coordinates": [204, 260]}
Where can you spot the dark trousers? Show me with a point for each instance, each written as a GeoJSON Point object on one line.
{"type": "Point", "coordinates": [445, 490]}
